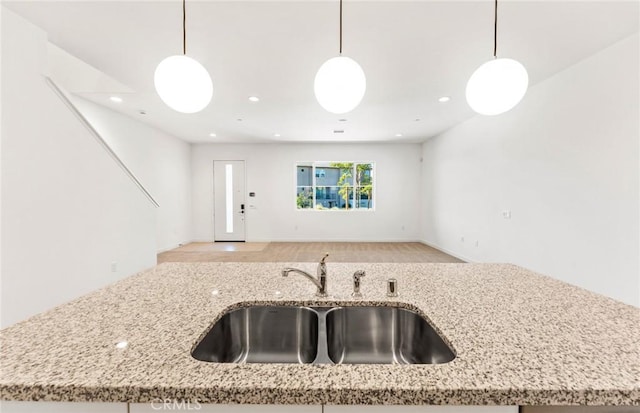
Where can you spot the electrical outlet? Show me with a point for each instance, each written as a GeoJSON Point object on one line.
{"type": "Point", "coordinates": [506, 214]}
{"type": "Point", "coordinates": [477, 243]}
{"type": "Point", "coordinates": [114, 267]}
{"type": "Point", "coordinates": [461, 239]}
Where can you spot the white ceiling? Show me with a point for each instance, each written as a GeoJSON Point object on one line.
{"type": "Point", "coordinates": [412, 52]}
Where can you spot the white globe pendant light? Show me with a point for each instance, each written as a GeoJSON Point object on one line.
{"type": "Point", "coordinates": [340, 83]}
{"type": "Point", "coordinates": [498, 85]}
{"type": "Point", "coordinates": [183, 83]}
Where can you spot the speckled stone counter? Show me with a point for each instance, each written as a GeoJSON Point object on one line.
{"type": "Point", "coordinates": [520, 339]}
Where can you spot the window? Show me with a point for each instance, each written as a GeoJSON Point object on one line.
{"type": "Point", "coordinates": [334, 185]}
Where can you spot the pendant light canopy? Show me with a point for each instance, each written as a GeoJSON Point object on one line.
{"type": "Point", "coordinates": [499, 85]}
{"type": "Point", "coordinates": [340, 83]}
{"type": "Point", "coordinates": [183, 83]}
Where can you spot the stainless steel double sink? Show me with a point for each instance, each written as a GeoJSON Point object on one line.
{"type": "Point", "coordinates": [323, 335]}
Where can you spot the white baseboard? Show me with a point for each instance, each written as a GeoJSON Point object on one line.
{"type": "Point", "coordinates": [160, 251]}
{"type": "Point", "coordinates": [320, 240]}
{"type": "Point", "coordinates": [334, 240]}
{"type": "Point", "coordinates": [445, 250]}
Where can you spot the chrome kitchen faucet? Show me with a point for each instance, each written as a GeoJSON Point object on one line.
{"type": "Point", "coordinates": [320, 282]}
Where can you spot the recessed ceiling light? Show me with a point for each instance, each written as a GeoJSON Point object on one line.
{"type": "Point", "coordinates": [416, 120]}
{"type": "Point", "coordinates": [239, 119]}
{"type": "Point", "coordinates": [444, 99]}
{"type": "Point", "coordinates": [213, 135]}
{"type": "Point", "coordinates": [142, 112]}
{"type": "Point", "coordinates": [398, 135]}
{"type": "Point", "coordinates": [342, 120]}
{"type": "Point", "coordinates": [277, 135]}
{"type": "Point", "coordinates": [115, 99]}
{"type": "Point", "coordinates": [254, 98]}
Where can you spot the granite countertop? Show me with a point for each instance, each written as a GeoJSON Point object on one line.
{"type": "Point", "coordinates": [520, 339]}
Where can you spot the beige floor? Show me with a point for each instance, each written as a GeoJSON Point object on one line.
{"type": "Point", "coordinates": [305, 252]}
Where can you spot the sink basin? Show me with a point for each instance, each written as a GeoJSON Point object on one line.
{"type": "Point", "coordinates": [383, 335]}
{"type": "Point", "coordinates": [322, 335]}
{"type": "Point", "coordinates": [261, 334]}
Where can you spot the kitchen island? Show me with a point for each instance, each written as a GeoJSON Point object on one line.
{"type": "Point", "coordinates": [519, 338]}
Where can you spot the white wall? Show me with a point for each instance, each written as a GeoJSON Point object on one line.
{"type": "Point", "coordinates": [161, 162]}
{"type": "Point", "coordinates": [270, 171]}
{"type": "Point", "coordinates": [68, 211]}
{"type": "Point", "coordinates": [565, 162]}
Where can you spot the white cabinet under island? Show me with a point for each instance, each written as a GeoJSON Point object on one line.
{"type": "Point", "coordinates": [520, 339]}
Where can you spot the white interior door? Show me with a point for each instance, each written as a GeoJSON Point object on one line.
{"type": "Point", "coordinates": [229, 203]}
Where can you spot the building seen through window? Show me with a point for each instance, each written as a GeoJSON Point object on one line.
{"type": "Point", "coordinates": [335, 185]}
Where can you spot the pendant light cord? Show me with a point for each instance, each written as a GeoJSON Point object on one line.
{"type": "Point", "coordinates": [495, 30]}
{"type": "Point", "coordinates": [184, 27]}
{"type": "Point", "coordinates": [340, 26]}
